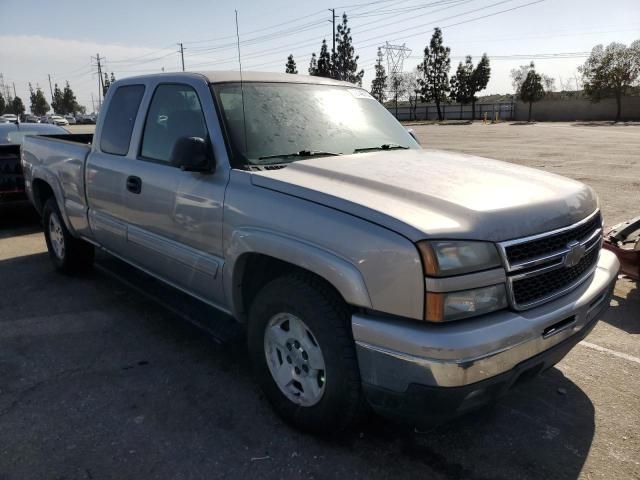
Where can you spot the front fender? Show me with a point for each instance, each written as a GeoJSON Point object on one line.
{"type": "Point", "coordinates": [339, 272]}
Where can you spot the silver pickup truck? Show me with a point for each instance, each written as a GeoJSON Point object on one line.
{"type": "Point", "coordinates": [367, 271]}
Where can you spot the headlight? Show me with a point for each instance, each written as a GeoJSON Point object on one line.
{"type": "Point", "coordinates": [443, 307]}
{"type": "Point", "coordinates": [447, 257]}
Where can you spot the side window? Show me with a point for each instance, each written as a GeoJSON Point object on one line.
{"type": "Point", "coordinates": [175, 112]}
{"type": "Point", "coordinates": [119, 119]}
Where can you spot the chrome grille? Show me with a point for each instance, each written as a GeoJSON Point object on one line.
{"type": "Point", "coordinates": [530, 288]}
{"type": "Point", "coordinates": [543, 267]}
{"type": "Point", "coordinates": [521, 252]}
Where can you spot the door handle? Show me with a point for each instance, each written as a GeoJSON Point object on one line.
{"type": "Point", "coordinates": [134, 184]}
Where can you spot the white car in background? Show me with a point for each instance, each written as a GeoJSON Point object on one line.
{"type": "Point", "coordinates": [8, 118]}
{"type": "Point", "coordinates": [71, 119]}
{"type": "Point", "coordinates": [58, 120]}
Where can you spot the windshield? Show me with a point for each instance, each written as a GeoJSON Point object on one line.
{"type": "Point", "coordinates": [289, 121]}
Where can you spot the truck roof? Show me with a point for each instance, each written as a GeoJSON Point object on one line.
{"type": "Point", "coordinates": [234, 76]}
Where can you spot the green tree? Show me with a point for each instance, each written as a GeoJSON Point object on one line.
{"type": "Point", "coordinates": [461, 83]}
{"type": "Point", "coordinates": [398, 89]}
{"type": "Point", "coordinates": [469, 80]}
{"type": "Point", "coordinates": [17, 107]}
{"type": "Point", "coordinates": [434, 71]}
{"type": "Point", "coordinates": [379, 83]}
{"type": "Point", "coordinates": [610, 71]}
{"type": "Point", "coordinates": [479, 80]}
{"type": "Point", "coordinates": [39, 105]}
{"type": "Point", "coordinates": [412, 91]}
{"type": "Point", "coordinates": [519, 75]}
{"type": "Point", "coordinates": [530, 89]}
{"type": "Point", "coordinates": [290, 67]}
{"type": "Point", "coordinates": [313, 65]}
{"type": "Point", "coordinates": [345, 64]}
{"type": "Point", "coordinates": [57, 103]}
{"type": "Point", "coordinates": [325, 68]}
{"type": "Point", "coordinates": [69, 100]}
{"type": "Point", "coordinates": [106, 83]}
{"type": "Point", "coordinates": [3, 104]}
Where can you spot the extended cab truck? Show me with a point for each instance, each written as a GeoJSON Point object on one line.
{"type": "Point", "coordinates": [365, 268]}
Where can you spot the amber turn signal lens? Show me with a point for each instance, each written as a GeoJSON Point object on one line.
{"type": "Point", "coordinates": [434, 307]}
{"type": "Point", "coordinates": [429, 258]}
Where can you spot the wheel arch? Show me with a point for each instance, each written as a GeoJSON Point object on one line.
{"type": "Point", "coordinates": [258, 256]}
{"type": "Point", "coordinates": [45, 187]}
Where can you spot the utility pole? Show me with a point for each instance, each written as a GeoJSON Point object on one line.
{"type": "Point", "coordinates": [14, 90]}
{"type": "Point", "coordinates": [93, 103]}
{"type": "Point", "coordinates": [333, 21]}
{"type": "Point", "coordinates": [100, 81]}
{"type": "Point", "coordinates": [182, 55]}
{"type": "Point", "coordinates": [50, 88]}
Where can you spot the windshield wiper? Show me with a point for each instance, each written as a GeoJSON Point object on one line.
{"type": "Point", "coordinates": [384, 146]}
{"type": "Point", "coordinates": [301, 154]}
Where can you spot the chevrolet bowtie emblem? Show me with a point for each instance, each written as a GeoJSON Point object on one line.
{"type": "Point", "coordinates": [574, 255]}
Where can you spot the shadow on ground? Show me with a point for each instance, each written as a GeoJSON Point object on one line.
{"type": "Point", "coordinates": [18, 220]}
{"type": "Point", "coordinates": [605, 124]}
{"type": "Point", "coordinates": [624, 310]}
{"type": "Point", "coordinates": [99, 382]}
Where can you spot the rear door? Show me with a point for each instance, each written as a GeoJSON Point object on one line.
{"type": "Point", "coordinates": [173, 217]}
{"type": "Point", "coordinates": [107, 164]}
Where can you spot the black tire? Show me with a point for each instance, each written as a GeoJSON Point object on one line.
{"type": "Point", "coordinates": [76, 255]}
{"type": "Point", "coordinates": [328, 318]}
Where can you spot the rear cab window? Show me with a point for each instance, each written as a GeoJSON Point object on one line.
{"type": "Point", "coordinates": [120, 118]}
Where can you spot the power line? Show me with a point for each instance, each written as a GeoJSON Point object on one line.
{"type": "Point", "coordinates": [289, 31]}
{"type": "Point", "coordinates": [209, 40]}
{"type": "Point", "coordinates": [273, 51]}
{"type": "Point", "coordinates": [423, 32]}
{"type": "Point", "coordinates": [362, 4]}
{"type": "Point", "coordinates": [138, 57]}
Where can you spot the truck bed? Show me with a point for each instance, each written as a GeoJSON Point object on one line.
{"type": "Point", "coordinates": [61, 160]}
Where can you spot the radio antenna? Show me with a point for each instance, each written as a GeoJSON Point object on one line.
{"type": "Point", "coordinates": [244, 118]}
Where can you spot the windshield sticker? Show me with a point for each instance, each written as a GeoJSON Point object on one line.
{"type": "Point", "coordinates": [359, 93]}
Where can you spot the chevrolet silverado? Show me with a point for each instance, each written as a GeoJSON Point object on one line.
{"type": "Point", "coordinates": [367, 270]}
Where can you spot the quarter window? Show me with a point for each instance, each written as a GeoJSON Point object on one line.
{"type": "Point", "coordinates": [175, 112]}
{"type": "Point", "coordinates": [119, 119]}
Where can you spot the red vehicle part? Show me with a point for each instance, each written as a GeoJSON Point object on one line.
{"type": "Point", "coordinates": [624, 240]}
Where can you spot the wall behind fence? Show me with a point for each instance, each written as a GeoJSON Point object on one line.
{"type": "Point", "coordinates": [549, 109]}
{"type": "Point", "coordinates": [571, 109]}
{"type": "Point", "coordinates": [453, 111]}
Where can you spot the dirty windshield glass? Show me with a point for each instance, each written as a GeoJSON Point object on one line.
{"type": "Point", "coordinates": [288, 121]}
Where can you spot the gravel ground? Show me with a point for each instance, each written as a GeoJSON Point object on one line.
{"type": "Point", "coordinates": [97, 382]}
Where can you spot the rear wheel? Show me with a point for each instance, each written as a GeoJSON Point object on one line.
{"type": "Point", "coordinates": [303, 353]}
{"type": "Point", "coordinates": [67, 253]}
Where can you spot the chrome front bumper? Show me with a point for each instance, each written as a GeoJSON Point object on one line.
{"type": "Point", "coordinates": [394, 354]}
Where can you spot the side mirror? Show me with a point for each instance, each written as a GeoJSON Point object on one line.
{"type": "Point", "coordinates": [412, 132]}
{"type": "Point", "coordinates": [192, 154]}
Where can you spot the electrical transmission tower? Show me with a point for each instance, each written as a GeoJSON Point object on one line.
{"type": "Point", "coordinates": [396, 54]}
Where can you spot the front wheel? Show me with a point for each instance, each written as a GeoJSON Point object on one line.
{"type": "Point", "coordinates": [303, 354]}
{"type": "Point", "coordinates": [68, 254]}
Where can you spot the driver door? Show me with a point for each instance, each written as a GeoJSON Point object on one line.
{"type": "Point", "coordinates": [173, 217]}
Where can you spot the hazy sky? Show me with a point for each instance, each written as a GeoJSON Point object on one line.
{"type": "Point", "coordinates": [59, 37]}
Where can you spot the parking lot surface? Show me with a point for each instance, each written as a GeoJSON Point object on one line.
{"type": "Point", "coordinates": [99, 382]}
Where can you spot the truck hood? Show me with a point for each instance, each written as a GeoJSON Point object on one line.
{"type": "Point", "coordinates": [437, 194]}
